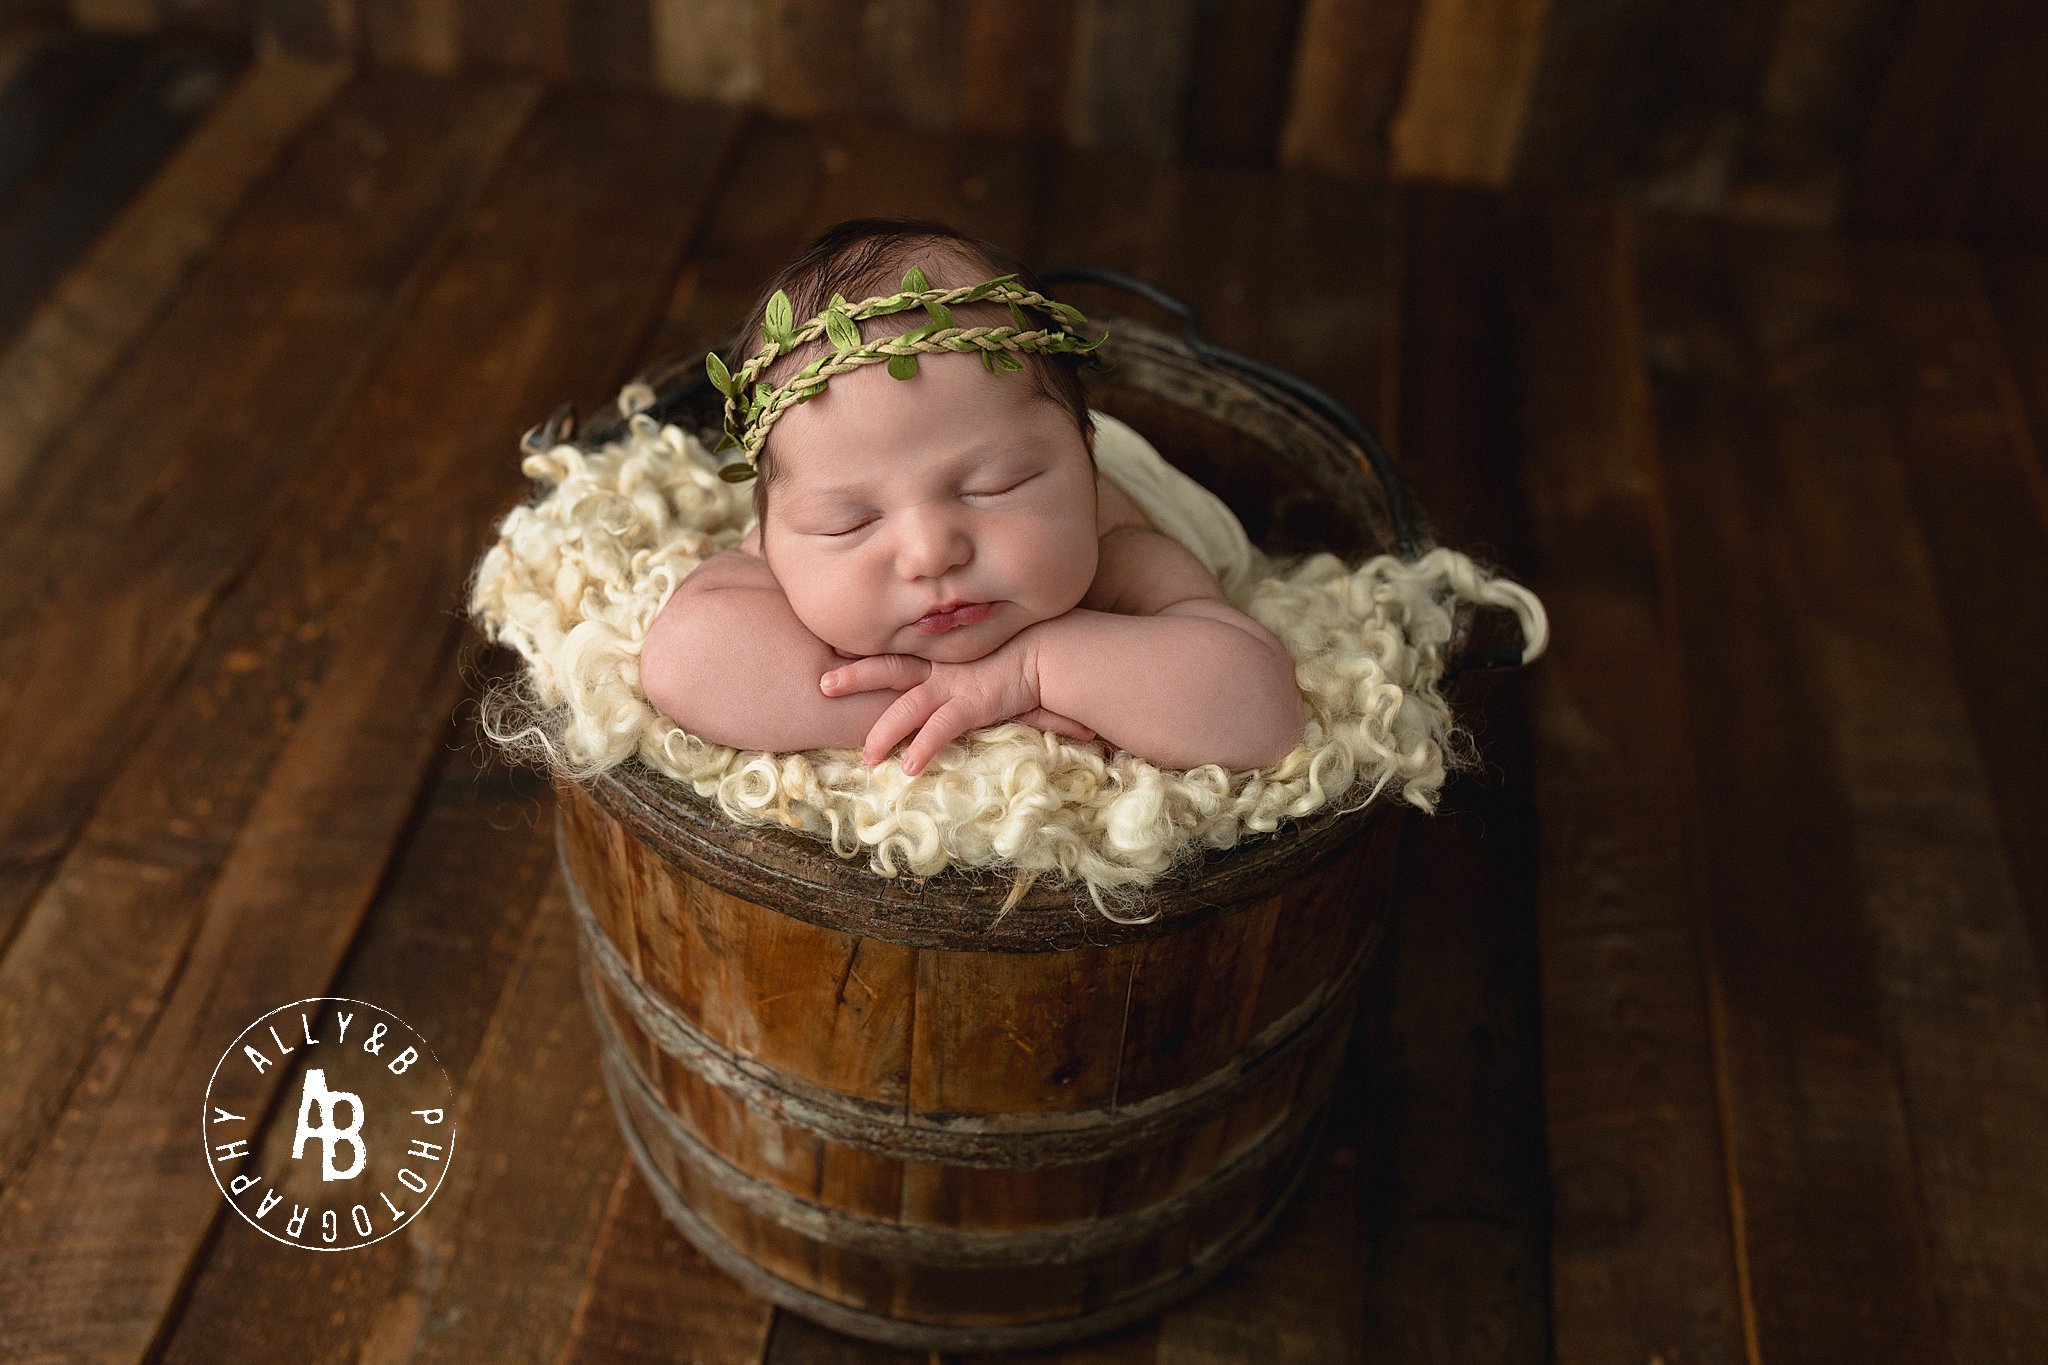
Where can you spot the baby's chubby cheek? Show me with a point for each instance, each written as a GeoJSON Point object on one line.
{"type": "Point", "coordinates": [849, 627]}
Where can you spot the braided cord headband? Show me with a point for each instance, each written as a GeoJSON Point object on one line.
{"type": "Point", "coordinates": [748, 416]}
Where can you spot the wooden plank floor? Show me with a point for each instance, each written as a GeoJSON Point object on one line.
{"type": "Point", "coordinates": [1711, 1026]}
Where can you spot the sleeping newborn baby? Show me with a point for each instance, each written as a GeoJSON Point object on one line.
{"type": "Point", "coordinates": [934, 552]}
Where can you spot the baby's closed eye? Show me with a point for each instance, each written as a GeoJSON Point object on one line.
{"type": "Point", "coordinates": [1009, 488]}
{"type": "Point", "coordinates": [868, 519]}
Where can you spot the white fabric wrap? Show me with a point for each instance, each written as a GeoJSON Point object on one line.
{"type": "Point", "coordinates": [1175, 503]}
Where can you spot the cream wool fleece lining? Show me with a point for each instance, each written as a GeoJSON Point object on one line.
{"type": "Point", "coordinates": [578, 576]}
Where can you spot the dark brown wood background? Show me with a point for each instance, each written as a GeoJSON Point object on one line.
{"type": "Point", "coordinates": [1923, 116]}
{"type": "Point", "coordinates": [1713, 1024]}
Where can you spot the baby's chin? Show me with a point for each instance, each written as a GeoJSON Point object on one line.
{"type": "Point", "coordinates": [961, 645]}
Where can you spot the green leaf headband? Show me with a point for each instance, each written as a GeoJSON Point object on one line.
{"type": "Point", "coordinates": [748, 416]}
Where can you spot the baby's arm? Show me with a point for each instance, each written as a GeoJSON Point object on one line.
{"type": "Point", "coordinates": [1167, 668]}
{"type": "Point", "coordinates": [729, 661]}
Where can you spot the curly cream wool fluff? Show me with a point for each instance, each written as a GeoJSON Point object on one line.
{"type": "Point", "coordinates": [578, 576]}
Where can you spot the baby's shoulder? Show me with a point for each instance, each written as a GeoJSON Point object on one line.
{"type": "Point", "coordinates": [739, 567]}
{"type": "Point", "coordinates": [1114, 507]}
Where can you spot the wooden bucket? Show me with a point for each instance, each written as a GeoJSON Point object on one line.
{"type": "Point", "coordinates": [871, 1108]}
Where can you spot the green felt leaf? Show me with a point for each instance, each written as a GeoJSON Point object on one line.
{"type": "Point", "coordinates": [844, 334]}
{"type": "Point", "coordinates": [721, 378]}
{"type": "Point", "coordinates": [779, 321]}
{"type": "Point", "coordinates": [739, 471]}
{"type": "Point", "coordinates": [914, 281]}
{"type": "Point", "coordinates": [903, 366]}
{"type": "Point", "coordinates": [942, 316]}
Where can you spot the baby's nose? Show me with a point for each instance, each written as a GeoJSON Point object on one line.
{"type": "Point", "coordinates": [934, 542]}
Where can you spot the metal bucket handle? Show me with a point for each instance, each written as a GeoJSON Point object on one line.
{"type": "Point", "coordinates": [1411, 534]}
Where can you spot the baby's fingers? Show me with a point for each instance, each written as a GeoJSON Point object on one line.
{"type": "Point", "coordinates": [902, 718]}
{"type": "Point", "coordinates": [1058, 724]}
{"type": "Point", "coordinates": [947, 724]}
{"type": "Point", "coordinates": [875, 673]}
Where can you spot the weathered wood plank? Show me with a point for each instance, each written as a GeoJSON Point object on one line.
{"type": "Point", "coordinates": [790, 181]}
{"type": "Point", "coordinates": [1288, 1300]}
{"type": "Point", "coordinates": [517, 36]}
{"type": "Point", "coordinates": [1013, 67]}
{"type": "Point", "coordinates": [911, 52]}
{"type": "Point", "coordinates": [604, 44]}
{"type": "Point", "coordinates": [51, 222]}
{"type": "Point", "coordinates": [1950, 945]}
{"type": "Point", "coordinates": [314, 30]}
{"type": "Point", "coordinates": [1826, 61]}
{"type": "Point", "coordinates": [1350, 64]}
{"type": "Point", "coordinates": [98, 1228]}
{"type": "Point", "coordinates": [799, 1341]}
{"type": "Point", "coordinates": [418, 35]}
{"type": "Point", "coordinates": [1129, 78]}
{"type": "Point", "coordinates": [1642, 1250]}
{"type": "Point", "coordinates": [67, 349]}
{"type": "Point", "coordinates": [1283, 269]}
{"type": "Point", "coordinates": [1648, 100]}
{"type": "Point", "coordinates": [119, 16]}
{"type": "Point", "coordinates": [1455, 1206]}
{"type": "Point", "coordinates": [650, 1293]}
{"type": "Point", "coordinates": [1834, 1233]}
{"type": "Point", "coordinates": [1132, 1345]}
{"type": "Point", "coordinates": [201, 432]}
{"type": "Point", "coordinates": [810, 58]}
{"type": "Point", "coordinates": [710, 49]}
{"type": "Point", "coordinates": [501, 1261]}
{"type": "Point", "coordinates": [609, 44]}
{"type": "Point", "coordinates": [2015, 285]}
{"type": "Point", "coordinates": [43, 14]}
{"type": "Point", "coordinates": [1324, 231]}
{"type": "Point", "coordinates": [1997, 382]}
{"type": "Point", "coordinates": [439, 946]}
{"type": "Point", "coordinates": [1206, 236]}
{"type": "Point", "coordinates": [58, 87]}
{"type": "Point", "coordinates": [1951, 145]}
{"type": "Point", "coordinates": [219, 18]}
{"type": "Point", "coordinates": [1236, 100]}
{"type": "Point", "coordinates": [21, 38]}
{"type": "Point", "coordinates": [764, 210]}
{"type": "Point", "coordinates": [541, 324]}
{"type": "Point", "coordinates": [486, 844]}
{"type": "Point", "coordinates": [1471, 74]}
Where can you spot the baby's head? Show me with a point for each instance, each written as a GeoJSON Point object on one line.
{"type": "Point", "coordinates": [881, 499]}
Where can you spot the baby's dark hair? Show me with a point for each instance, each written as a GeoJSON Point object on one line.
{"type": "Point", "coordinates": [863, 257]}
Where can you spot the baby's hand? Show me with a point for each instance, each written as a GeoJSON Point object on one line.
{"type": "Point", "coordinates": [942, 701]}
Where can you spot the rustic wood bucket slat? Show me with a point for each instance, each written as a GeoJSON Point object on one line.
{"type": "Point", "coordinates": [873, 1103]}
